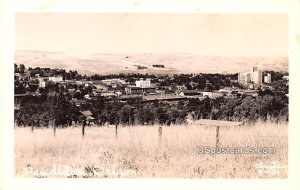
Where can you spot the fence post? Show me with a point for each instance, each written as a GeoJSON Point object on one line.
{"type": "Point", "coordinates": [82, 130]}
{"type": "Point", "coordinates": [159, 133]}
{"type": "Point", "coordinates": [116, 131]}
{"type": "Point", "coordinates": [217, 136]}
{"type": "Point", "coordinates": [54, 129]}
{"type": "Point", "coordinates": [53, 123]}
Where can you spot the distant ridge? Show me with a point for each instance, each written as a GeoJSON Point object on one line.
{"type": "Point", "coordinates": [128, 63]}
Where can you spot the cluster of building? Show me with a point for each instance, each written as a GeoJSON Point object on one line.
{"type": "Point", "coordinates": [107, 87]}
{"type": "Point", "coordinates": [148, 91]}
{"type": "Point", "coordinates": [140, 87]}
{"type": "Point", "coordinates": [253, 78]}
{"type": "Point", "coordinates": [43, 81]}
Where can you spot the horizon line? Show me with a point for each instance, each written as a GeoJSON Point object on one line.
{"type": "Point", "coordinates": [140, 53]}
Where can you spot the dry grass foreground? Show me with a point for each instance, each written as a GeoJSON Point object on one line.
{"type": "Point", "coordinates": [138, 152]}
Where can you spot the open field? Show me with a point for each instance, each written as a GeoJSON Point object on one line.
{"type": "Point", "coordinates": [139, 152]}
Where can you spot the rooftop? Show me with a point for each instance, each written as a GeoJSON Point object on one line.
{"type": "Point", "coordinates": [87, 113]}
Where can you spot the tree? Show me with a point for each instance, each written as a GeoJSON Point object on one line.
{"type": "Point", "coordinates": [19, 88]}
{"type": "Point", "coordinates": [265, 92]}
{"type": "Point", "coordinates": [60, 109]}
{"type": "Point", "coordinates": [193, 104]}
{"type": "Point", "coordinates": [162, 115]}
{"type": "Point", "coordinates": [16, 68]}
{"type": "Point", "coordinates": [22, 68]}
{"type": "Point", "coordinates": [145, 115]}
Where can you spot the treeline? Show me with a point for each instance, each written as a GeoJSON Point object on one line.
{"type": "Point", "coordinates": [158, 66]}
{"type": "Point", "coordinates": [139, 67]}
{"type": "Point", "coordinates": [45, 72]}
{"type": "Point", "coordinates": [57, 108]}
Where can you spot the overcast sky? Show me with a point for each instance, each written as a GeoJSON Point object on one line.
{"type": "Point", "coordinates": [204, 34]}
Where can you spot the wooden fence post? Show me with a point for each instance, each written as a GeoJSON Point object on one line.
{"type": "Point", "coordinates": [54, 129]}
{"type": "Point", "coordinates": [217, 135]}
{"type": "Point", "coordinates": [53, 123]}
{"type": "Point", "coordinates": [159, 133]}
{"type": "Point", "coordinates": [82, 130]}
{"type": "Point", "coordinates": [116, 131]}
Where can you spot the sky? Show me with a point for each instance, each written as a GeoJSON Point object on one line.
{"type": "Point", "coordinates": [201, 34]}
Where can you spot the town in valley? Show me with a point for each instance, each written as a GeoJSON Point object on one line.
{"type": "Point", "coordinates": [144, 98]}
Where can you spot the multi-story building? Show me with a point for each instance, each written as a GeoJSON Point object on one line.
{"type": "Point", "coordinates": [251, 76]}
{"type": "Point", "coordinates": [141, 87]}
{"type": "Point", "coordinates": [257, 77]}
{"type": "Point", "coordinates": [43, 81]}
{"type": "Point", "coordinates": [267, 79]}
{"type": "Point", "coordinates": [244, 78]}
{"type": "Point", "coordinates": [58, 78]}
{"type": "Point", "coordinates": [143, 83]}
{"type": "Point", "coordinates": [42, 84]}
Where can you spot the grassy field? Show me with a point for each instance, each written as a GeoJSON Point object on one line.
{"type": "Point", "coordinates": [139, 152]}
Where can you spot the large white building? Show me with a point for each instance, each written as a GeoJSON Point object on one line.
{"type": "Point", "coordinates": [251, 76]}
{"type": "Point", "coordinates": [267, 79]}
{"type": "Point", "coordinates": [43, 81]}
{"type": "Point", "coordinates": [56, 78]}
{"type": "Point", "coordinates": [143, 83]}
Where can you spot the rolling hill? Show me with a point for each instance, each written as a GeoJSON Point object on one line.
{"type": "Point", "coordinates": [129, 63]}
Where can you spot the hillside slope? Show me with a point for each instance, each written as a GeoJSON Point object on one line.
{"type": "Point", "coordinates": [128, 63]}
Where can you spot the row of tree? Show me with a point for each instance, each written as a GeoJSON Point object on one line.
{"type": "Point", "coordinates": [56, 107]}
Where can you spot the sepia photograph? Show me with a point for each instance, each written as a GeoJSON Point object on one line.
{"type": "Point", "coordinates": [151, 95]}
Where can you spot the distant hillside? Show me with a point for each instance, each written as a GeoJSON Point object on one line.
{"type": "Point", "coordinates": [143, 63]}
